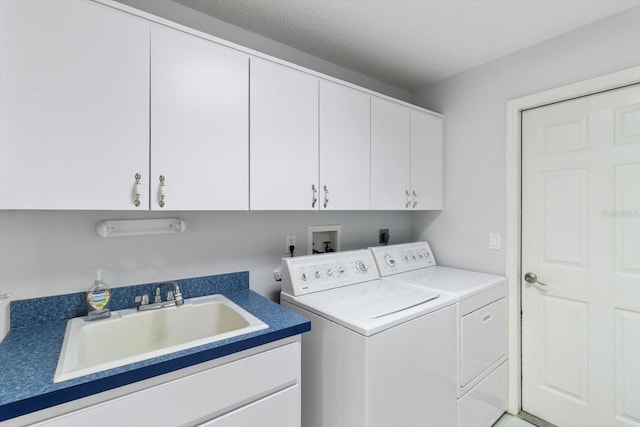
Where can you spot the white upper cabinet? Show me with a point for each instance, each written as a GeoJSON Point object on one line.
{"type": "Point", "coordinates": [390, 155]}
{"type": "Point", "coordinates": [74, 106]}
{"type": "Point", "coordinates": [426, 161]}
{"type": "Point", "coordinates": [283, 138]}
{"type": "Point", "coordinates": [104, 110]}
{"type": "Point", "coordinates": [344, 148]}
{"type": "Point", "coordinates": [199, 124]}
{"type": "Point", "coordinates": [406, 157]}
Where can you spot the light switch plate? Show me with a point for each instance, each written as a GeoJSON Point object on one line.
{"type": "Point", "coordinates": [494, 241]}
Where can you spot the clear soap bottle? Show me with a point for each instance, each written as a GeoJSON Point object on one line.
{"type": "Point", "coordinates": [98, 298]}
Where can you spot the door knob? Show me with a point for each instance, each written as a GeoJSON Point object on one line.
{"type": "Point", "coordinates": [532, 278]}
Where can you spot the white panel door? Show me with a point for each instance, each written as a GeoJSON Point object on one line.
{"type": "Point", "coordinates": [390, 155]}
{"type": "Point", "coordinates": [426, 161]}
{"type": "Point", "coordinates": [581, 237]}
{"type": "Point", "coordinates": [74, 110]}
{"type": "Point", "coordinates": [199, 123]}
{"type": "Point", "coordinates": [344, 148]}
{"type": "Point", "coordinates": [283, 138]}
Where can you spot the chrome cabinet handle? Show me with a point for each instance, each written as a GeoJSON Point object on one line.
{"type": "Point", "coordinates": [406, 192]}
{"type": "Point", "coordinates": [326, 196]}
{"type": "Point", "coordinates": [162, 191]}
{"type": "Point", "coordinates": [138, 190]}
{"type": "Point", "coordinates": [415, 199]}
{"type": "Point", "coordinates": [315, 195]}
{"type": "Point", "coordinates": [533, 279]}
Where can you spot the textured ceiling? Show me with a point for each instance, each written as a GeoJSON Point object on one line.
{"type": "Point", "coordinates": [409, 43]}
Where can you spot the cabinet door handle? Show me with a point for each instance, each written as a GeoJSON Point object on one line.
{"type": "Point", "coordinates": [415, 199]}
{"type": "Point", "coordinates": [326, 196]}
{"type": "Point", "coordinates": [314, 196]}
{"type": "Point", "coordinates": [138, 190]}
{"type": "Point", "coordinates": [406, 192]}
{"type": "Point", "coordinates": [163, 191]}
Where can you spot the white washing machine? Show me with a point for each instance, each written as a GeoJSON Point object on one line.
{"type": "Point", "coordinates": [481, 332]}
{"type": "Point", "coordinates": [379, 353]}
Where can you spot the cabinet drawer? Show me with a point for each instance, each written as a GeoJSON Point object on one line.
{"type": "Point", "coordinates": [278, 410]}
{"type": "Point", "coordinates": [483, 335]}
{"type": "Point", "coordinates": [486, 402]}
{"type": "Point", "coordinates": [198, 397]}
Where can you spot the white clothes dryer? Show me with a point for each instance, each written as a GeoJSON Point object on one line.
{"type": "Point", "coordinates": [481, 332]}
{"type": "Point", "coordinates": [379, 353]}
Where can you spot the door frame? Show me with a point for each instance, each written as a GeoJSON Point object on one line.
{"type": "Point", "coordinates": [513, 224]}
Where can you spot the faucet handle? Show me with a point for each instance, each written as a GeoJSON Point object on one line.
{"type": "Point", "coordinates": [170, 296]}
{"type": "Point", "coordinates": [178, 295]}
{"type": "Point", "coordinates": [158, 297]}
{"type": "Point", "coordinates": [142, 299]}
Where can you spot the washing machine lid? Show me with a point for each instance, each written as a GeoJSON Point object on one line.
{"type": "Point", "coordinates": [372, 307]}
{"type": "Point", "coordinates": [460, 283]}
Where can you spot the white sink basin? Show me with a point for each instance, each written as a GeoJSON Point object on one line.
{"type": "Point", "coordinates": [130, 336]}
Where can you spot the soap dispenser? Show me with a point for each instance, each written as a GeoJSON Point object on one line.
{"type": "Point", "coordinates": [98, 298]}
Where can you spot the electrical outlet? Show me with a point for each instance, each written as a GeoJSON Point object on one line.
{"type": "Point", "coordinates": [383, 236]}
{"type": "Point", "coordinates": [290, 241]}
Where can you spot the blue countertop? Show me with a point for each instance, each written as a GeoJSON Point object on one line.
{"type": "Point", "coordinates": [29, 353]}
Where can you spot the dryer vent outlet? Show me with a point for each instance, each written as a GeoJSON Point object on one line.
{"type": "Point", "coordinates": [383, 236]}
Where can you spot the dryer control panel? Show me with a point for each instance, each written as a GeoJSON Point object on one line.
{"type": "Point", "coordinates": [402, 258]}
{"type": "Point", "coordinates": [313, 273]}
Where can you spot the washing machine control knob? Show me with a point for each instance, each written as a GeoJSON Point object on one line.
{"type": "Point", "coordinates": [391, 262]}
{"type": "Point", "coordinates": [304, 277]}
{"type": "Point", "coordinates": [317, 274]}
{"type": "Point", "coordinates": [340, 270]}
{"type": "Point", "coordinates": [361, 266]}
{"type": "Point", "coordinates": [330, 272]}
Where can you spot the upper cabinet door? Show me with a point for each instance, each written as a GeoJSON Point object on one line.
{"type": "Point", "coordinates": [344, 148]}
{"type": "Point", "coordinates": [199, 124]}
{"type": "Point", "coordinates": [426, 161]}
{"type": "Point", "coordinates": [74, 121]}
{"type": "Point", "coordinates": [390, 155]}
{"type": "Point", "coordinates": [283, 138]}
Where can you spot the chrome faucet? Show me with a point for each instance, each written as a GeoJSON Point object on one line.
{"type": "Point", "coordinates": [174, 297]}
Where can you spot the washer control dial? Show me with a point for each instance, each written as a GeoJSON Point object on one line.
{"type": "Point", "coordinates": [361, 266]}
{"type": "Point", "coordinates": [390, 261]}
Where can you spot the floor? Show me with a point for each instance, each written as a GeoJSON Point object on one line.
{"type": "Point", "coordinates": [508, 420]}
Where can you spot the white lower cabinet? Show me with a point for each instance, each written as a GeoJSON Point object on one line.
{"type": "Point", "coordinates": [260, 389]}
{"type": "Point", "coordinates": [279, 409]}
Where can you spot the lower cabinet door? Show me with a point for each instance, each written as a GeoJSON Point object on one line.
{"type": "Point", "coordinates": [281, 409]}
{"type": "Point", "coordinates": [215, 394]}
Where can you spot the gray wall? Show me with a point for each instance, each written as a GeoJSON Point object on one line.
{"type": "Point", "coordinates": [55, 252]}
{"type": "Point", "coordinates": [473, 104]}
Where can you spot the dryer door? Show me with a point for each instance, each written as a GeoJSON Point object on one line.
{"type": "Point", "coordinates": [483, 339]}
